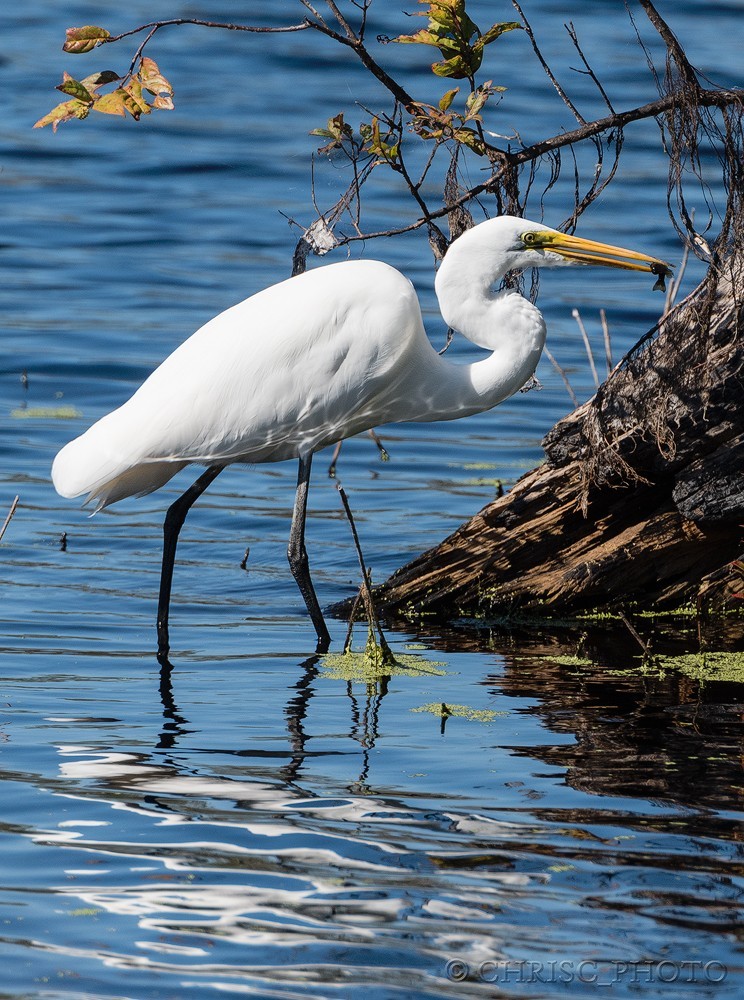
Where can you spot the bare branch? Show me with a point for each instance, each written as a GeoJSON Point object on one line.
{"type": "Point", "coordinates": [316, 14]}
{"type": "Point", "coordinates": [589, 71]}
{"type": "Point", "coordinates": [674, 49]}
{"type": "Point", "coordinates": [224, 25]}
{"type": "Point", "coordinates": [342, 20]}
{"type": "Point", "coordinates": [563, 95]}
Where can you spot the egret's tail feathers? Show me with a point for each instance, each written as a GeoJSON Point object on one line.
{"type": "Point", "coordinates": [81, 468]}
{"type": "Point", "coordinates": [136, 482]}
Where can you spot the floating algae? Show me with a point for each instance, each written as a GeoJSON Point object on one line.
{"type": "Point", "coordinates": [45, 413]}
{"type": "Point", "coordinates": [704, 667]}
{"type": "Point", "coordinates": [721, 666]}
{"type": "Point", "coordinates": [366, 667]}
{"type": "Point", "coordinates": [445, 711]}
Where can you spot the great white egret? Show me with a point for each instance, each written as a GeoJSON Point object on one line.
{"type": "Point", "coordinates": [315, 359]}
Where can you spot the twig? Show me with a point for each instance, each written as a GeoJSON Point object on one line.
{"type": "Point", "coordinates": [589, 71]}
{"type": "Point", "coordinates": [676, 280]}
{"type": "Point", "coordinates": [384, 454]}
{"type": "Point", "coordinates": [563, 95]}
{"type": "Point", "coordinates": [341, 19]}
{"type": "Point", "coordinates": [673, 47]}
{"type": "Point", "coordinates": [225, 26]}
{"type": "Point", "coordinates": [387, 654]}
{"type": "Point", "coordinates": [11, 512]}
{"type": "Point", "coordinates": [352, 616]}
{"type": "Point", "coordinates": [588, 347]}
{"type": "Point", "coordinates": [645, 646]}
{"type": "Point", "coordinates": [563, 375]}
{"type": "Point", "coordinates": [334, 460]}
{"type": "Point", "coordinates": [607, 341]}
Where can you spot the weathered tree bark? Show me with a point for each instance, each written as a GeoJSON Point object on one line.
{"type": "Point", "coordinates": [641, 499]}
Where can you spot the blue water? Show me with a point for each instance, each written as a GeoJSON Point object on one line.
{"type": "Point", "coordinates": [253, 823]}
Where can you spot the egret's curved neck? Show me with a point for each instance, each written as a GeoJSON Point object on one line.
{"type": "Point", "coordinates": [503, 322]}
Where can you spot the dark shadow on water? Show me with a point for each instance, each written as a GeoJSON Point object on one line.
{"type": "Point", "coordinates": [641, 731]}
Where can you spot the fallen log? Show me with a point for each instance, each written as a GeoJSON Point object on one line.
{"type": "Point", "coordinates": [640, 501]}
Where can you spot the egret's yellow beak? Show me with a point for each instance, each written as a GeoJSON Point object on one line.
{"type": "Point", "coordinates": [590, 252]}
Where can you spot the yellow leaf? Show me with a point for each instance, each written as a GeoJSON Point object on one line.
{"type": "Point", "coordinates": [111, 104]}
{"type": "Point", "coordinates": [152, 79]}
{"type": "Point", "coordinates": [63, 113]}
{"type": "Point", "coordinates": [141, 107]}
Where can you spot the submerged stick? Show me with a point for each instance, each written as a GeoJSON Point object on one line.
{"type": "Point", "coordinates": [366, 590]}
{"type": "Point", "coordinates": [10, 514]}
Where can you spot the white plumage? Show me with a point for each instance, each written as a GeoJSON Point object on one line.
{"type": "Point", "coordinates": [320, 357]}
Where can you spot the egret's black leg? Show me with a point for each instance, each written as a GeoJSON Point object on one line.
{"type": "Point", "coordinates": [297, 555]}
{"type": "Point", "coordinates": [171, 527]}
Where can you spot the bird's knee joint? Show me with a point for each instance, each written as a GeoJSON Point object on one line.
{"type": "Point", "coordinates": [297, 556]}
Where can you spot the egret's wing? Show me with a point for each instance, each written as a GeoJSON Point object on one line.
{"type": "Point", "coordinates": [294, 367]}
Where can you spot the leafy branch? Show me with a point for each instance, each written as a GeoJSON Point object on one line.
{"type": "Point", "coordinates": [453, 125]}
{"type": "Point", "coordinates": [458, 39]}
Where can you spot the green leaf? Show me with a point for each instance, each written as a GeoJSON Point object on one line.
{"type": "Point", "coordinates": [446, 101]}
{"type": "Point", "coordinates": [375, 144]}
{"type": "Point", "coordinates": [73, 88]}
{"type": "Point", "coordinates": [469, 138]}
{"type": "Point", "coordinates": [451, 30]}
{"type": "Point", "coordinates": [336, 130]}
{"type": "Point", "coordinates": [84, 39]}
{"type": "Point", "coordinates": [456, 68]}
{"type": "Point", "coordinates": [421, 37]}
{"type": "Point", "coordinates": [496, 31]}
{"type": "Point", "coordinates": [475, 102]}
{"type": "Point", "coordinates": [451, 15]}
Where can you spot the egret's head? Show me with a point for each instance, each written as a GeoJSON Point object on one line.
{"type": "Point", "coordinates": [481, 256]}
{"type": "Point", "coordinates": [548, 248]}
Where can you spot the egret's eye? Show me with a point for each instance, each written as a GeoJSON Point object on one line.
{"type": "Point", "coordinates": [529, 239]}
